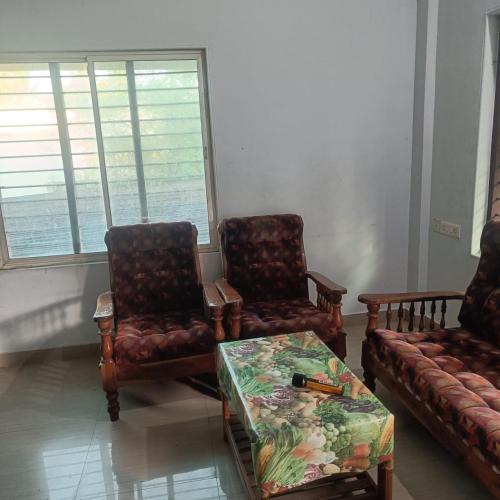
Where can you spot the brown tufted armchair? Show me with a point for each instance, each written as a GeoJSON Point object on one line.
{"type": "Point", "coordinates": [159, 320]}
{"type": "Point", "coordinates": [265, 281]}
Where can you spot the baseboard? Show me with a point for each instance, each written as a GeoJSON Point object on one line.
{"type": "Point", "coordinates": [67, 353]}
{"type": "Point", "coordinates": [354, 318]}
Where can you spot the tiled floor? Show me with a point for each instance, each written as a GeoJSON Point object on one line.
{"type": "Point", "coordinates": [57, 443]}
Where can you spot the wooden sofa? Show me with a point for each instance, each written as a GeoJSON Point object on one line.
{"type": "Point", "coordinates": [449, 378]}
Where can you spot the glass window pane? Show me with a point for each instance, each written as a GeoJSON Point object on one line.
{"type": "Point", "coordinates": [85, 162]}
{"type": "Point", "coordinates": [114, 107]}
{"type": "Point", "coordinates": [32, 187]}
{"type": "Point", "coordinates": [171, 142]}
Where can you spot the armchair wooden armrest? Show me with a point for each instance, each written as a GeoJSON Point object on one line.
{"type": "Point", "coordinates": [327, 284]}
{"type": "Point", "coordinates": [233, 299]}
{"type": "Point", "coordinates": [228, 293]}
{"type": "Point", "coordinates": [329, 300]}
{"type": "Point", "coordinates": [375, 300]}
{"type": "Point", "coordinates": [104, 318]}
{"type": "Point", "coordinates": [212, 297]}
{"type": "Point", "coordinates": [104, 308]}
{"type": "Point", "coordinates": [215, 305]}
{"type": "Point", "coordinates": [390, 298]}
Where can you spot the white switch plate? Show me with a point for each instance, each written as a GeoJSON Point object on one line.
{"type": "Point", "coordinates": [447, 228]}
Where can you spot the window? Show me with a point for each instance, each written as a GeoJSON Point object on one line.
{"type": "Point", "coordinates": [487, 188]}
{"type": "Point", "coordinates": [86, 142]}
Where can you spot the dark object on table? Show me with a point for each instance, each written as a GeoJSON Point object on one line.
{"type": "Point", "coordinates": [301, 381]}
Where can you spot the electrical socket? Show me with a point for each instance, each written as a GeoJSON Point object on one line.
{"type": "Point", "coordinates": [447, 228]}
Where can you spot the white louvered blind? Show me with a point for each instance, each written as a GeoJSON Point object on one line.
{"type": "Point", "coordinates": [84, 145]}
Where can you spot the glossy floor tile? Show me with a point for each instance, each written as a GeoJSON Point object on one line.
{"type": "Point", "coordinates": [56, 442]}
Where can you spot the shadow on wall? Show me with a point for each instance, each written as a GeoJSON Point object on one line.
{"type": "Point", "coordinates": [53, 307]}
{"type": "Point", "coordinates": [63, 321]}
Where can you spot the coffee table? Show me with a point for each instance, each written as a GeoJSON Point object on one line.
{"type": "Point", "coordinates": [296, 442]}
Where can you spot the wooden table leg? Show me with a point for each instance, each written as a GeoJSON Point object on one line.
{"type": "Point", "coordinates": [384, 480]}
{"type": "Point", "coordinates": [226, 414]}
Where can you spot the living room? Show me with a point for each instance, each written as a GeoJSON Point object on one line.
{"type": "Point", "coordinates": [341, 155]}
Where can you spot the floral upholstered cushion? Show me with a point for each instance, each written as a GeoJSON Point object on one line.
{"type": "Point", "coordinates": [454, 373]}
{"type": "Point", "coordinates": [265, 256]}
{"type": "Point", "coordinates": [480, 312]}
{"type": "Point", "coordinates": [157, 337]}
{"type": "Point", "coordinates": [300, 436]}
{"type": "Point", "coordinates": [153, 268]}
{"type": "Point", "coordinates": [280, 316]}
{"type": "Point", "coordinates": [453, 350]}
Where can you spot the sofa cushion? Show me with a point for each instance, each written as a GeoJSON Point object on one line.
{"type": "Point", "coordinates": [480, 312]}
{"type": "Point", "coordinates": [453, 350]}
{"type": "Point", "coordinates": [158, 337]}
{"type": "Point", "coordinates": [281, 316]}
{"type": "Point", "coordinates": [456, 375]}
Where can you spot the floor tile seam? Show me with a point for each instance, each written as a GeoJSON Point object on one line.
{"type": "Point", "coordinates": [148, 487]}
{"type": "Point", "coordinates": [86, 457]}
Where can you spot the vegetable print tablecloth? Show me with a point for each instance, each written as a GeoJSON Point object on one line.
{"type": "Point", "coordinates": [300, 436]}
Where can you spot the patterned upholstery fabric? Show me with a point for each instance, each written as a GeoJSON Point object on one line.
{"type": "Point", "coordinates": [157, 293]}
{"type": "Point", "coordinates": [153, 268]}
{"type": "Point", "coordinates": [454, 373]}
{"type": "Point", "coordinates": [278, 316]}
{"type": "Point", "coordinates": [265, 257]}
{"type": "Point", "coordinates": [480, 311]}
{"type": "Point", "coordinates": [157, 337]}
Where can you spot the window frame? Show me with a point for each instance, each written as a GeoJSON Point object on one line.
{"type": "Point", "coordinates": [91, 57]}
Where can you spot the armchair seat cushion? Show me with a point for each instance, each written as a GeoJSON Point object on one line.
{"type": "Point", "coordinates": [272, 317]}
{"type": "Point", "coordinates": [158, 337]}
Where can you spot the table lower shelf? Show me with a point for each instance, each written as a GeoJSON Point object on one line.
{"type": "Point", "coordinates": [353, 485]}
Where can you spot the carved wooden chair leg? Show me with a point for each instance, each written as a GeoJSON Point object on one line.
{"type": "Point", "coordinates": [113, 405]}
{"type": "Point", "coordinates": [340, 348]}
{"type": "Point", "coordinates": [235, 318]}
{"type": "Point", "coordinates": [226, 415]}
{"type": "Point", "coordinates": [107, 367]}
{"type": "Point", "coordinates": [368, 377]}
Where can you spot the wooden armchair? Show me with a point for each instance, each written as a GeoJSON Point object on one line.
{"type": "Point", "coordinates": [159, 320]}
{"type": "Point", "coordinates": [265, 282]}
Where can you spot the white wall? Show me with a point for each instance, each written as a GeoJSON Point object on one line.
{"type": "Point", "coordinates": [311, 111]}
{"type": "Point", "coordinates": [461, 37]}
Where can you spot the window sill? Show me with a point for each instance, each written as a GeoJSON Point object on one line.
{"type": "Point", "coordinates": [72, 260]}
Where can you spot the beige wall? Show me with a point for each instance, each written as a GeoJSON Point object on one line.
{"type": "Point", "coordinates": [311, 106]}
{"type": "Point", "coordinates": [461, 37]}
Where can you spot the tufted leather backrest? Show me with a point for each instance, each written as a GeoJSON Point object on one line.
{"type": "Point", "coordinates": [263, 256]}
{"type": "Point", "coordinates": [154, 268]}
{"type": "Point", "coordinates": [480, 310]}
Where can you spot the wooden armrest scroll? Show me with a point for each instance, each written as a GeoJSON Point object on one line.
{"type": "Point", "coordinates": [104, 309]}
{"type": "Point", "coordinates": [212, 296]}
{"type": "Point", "coordinates": [390, 298]}
{"type": "Point", "coordinates": [228, 293]}
{"type": "Point", "coordinates": [326, 283]}
{"type": "Point", "coordinates": [375, 300]}
{"type": "Point", "coordinates": [215, 304]}
{"type": "Point", "coordinates": [233, 299]}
